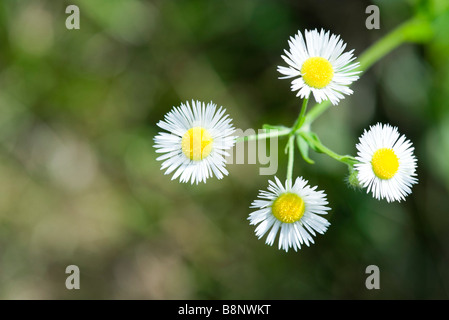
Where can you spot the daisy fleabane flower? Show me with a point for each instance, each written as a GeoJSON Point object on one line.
{"type": "Point", "coordinates": [386, 163]}
{"type": "Point", "coordinates": [293, 210]}
{"type": "Point", "coordinates": [319, 66]}
{"type": "Point", "coordinates": [196, 142]}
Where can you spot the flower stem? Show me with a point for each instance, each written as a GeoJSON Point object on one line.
{"type": "Point", "coordinates": [291, 156]}
{"type": "Point", "coordinates": [301, 118]}
{"type": "Point", "coordinates": [313, 141]}
{"type": "Point", "coordinates": [413, 30]}
{"type": "Point", "coordinates": [270, 134]}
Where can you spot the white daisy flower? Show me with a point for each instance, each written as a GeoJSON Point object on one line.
{"type": "Point", "coordinates": [294, 209]}
{"type": "Point", "coordinates": [386, 163]}
{"type": "Point", "coordinates": [319, 66]}
{"type": "Point", "coordinates": [196, 143]}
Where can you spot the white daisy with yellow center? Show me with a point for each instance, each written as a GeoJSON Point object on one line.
{"type": "Point", "coordinates": [319, 66]}
{"type": "Point", "coordinates": [295, 210]}
{"type": "Point", "coordinates": [386, 163]}
{"type": "Point", "coordinates": [196, 142]}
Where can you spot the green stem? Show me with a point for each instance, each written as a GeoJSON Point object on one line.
{"type": "Point", "coordinates": [413, 30]}
{"type": "Point", "coordinates": [301, 118]}
{"type": "Point", "coordinates": [405, 32]}
{"type": "Point", "coordinates": [291, 157]}
{"type": "Point", "coordinates": [316, 145]}
{"type": "Point", "coordinates": [270, 134]}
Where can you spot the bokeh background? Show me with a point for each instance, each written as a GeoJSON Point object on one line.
{"type": "Point", "coordinates": [79, 183]}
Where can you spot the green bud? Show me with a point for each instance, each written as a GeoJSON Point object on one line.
{"type": "Point", "coordinates": [352, 179]}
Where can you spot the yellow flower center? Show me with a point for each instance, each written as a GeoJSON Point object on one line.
{"type": "Point", "coordinates": [385, 163]}
{"type": "Point", "coordinates": [288, 208]}
{"type": "Point", "coordinates": [196, 143]}
{"type": "Point", "coordinates": [317, 72]}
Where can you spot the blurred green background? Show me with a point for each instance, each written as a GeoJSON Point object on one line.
{"type": "Point", "coordinates": [79, 183]}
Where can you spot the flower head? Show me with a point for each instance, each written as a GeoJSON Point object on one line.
{"type": "Point", "coordinates": [319, 66]}
{"type": "Point", "coordinates": [196, 143]}
{"type": "Point", "coordinates": [294, 209]}
{"type": "Point", "coordinates": [386, 163]}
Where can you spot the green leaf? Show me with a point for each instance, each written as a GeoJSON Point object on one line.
{"type": "Point", "coordinates": [303, 147]}
{"type": "Point", "coordinates": [287, 147]}
{"type": "Point", "coordinates": [312, 140]}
